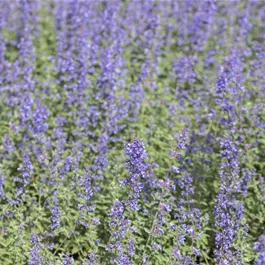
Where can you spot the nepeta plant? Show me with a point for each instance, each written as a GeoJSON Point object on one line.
{"type": "Point", "coordinates": [131, 132]}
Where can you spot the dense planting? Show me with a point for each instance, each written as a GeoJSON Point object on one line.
{"type": "Point", "coordinates": [132, 132]}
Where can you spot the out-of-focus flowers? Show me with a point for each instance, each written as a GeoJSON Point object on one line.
{"type": "Point", "coordinates": [260, 247]}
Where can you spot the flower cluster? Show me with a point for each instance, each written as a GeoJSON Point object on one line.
{"type": "Point", "coordinates": [139, 176]}
{"type": "Point", "coordinates": [260, 247]}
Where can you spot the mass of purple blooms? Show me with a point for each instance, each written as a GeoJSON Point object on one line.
{"type": "Point", "coordinates": [132, 132]}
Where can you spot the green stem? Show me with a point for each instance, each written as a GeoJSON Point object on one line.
{"type": "Point", "coordinates": [153, 224]}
